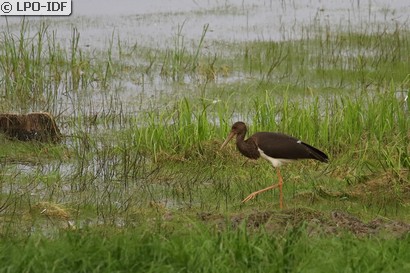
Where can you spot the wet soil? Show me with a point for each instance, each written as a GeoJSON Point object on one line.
{"type": "Point", "coordinates": [316, 223]}
{"type": "Point", "coordinates": [390, 188]}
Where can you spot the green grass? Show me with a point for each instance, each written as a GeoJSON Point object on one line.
{"type": "Point", "coordinates": [134, 177]}
{"type": "Point", "coordinates": [203, 251]}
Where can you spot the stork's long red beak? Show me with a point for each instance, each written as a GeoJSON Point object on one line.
{"type": "Point", "coordinates": [230, 136]}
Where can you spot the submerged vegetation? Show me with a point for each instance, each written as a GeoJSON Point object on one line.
{"type": "Point", "coordinates": [145, 177]}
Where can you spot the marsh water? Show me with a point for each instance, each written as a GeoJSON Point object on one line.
{"type": "Point", "coordinates": [157, 24]}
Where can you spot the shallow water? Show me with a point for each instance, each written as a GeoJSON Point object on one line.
{"type": "Point", "coordinates": [154, 23]}
{"type": "Point", "coordinates": [157, 23]}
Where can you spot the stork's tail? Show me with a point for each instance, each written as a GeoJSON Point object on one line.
{"type": "Point", "coordinates": [316, 153]}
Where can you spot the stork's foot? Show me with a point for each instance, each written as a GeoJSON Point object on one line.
{"type": "Point", "coordinates": [249, 197]}
{"type": "Point", "coordinates": [252, 195]}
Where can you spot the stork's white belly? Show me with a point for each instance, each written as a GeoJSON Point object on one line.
{"type": "Point", "coordinates": [276, 162]}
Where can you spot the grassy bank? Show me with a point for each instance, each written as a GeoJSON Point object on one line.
{"type": "Point", "coordinates": [200, 250]}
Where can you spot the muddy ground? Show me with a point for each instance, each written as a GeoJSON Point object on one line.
{"type": "Point", "coordinates": [334, 222]}
{"type": "Point", "coordinates": [316, 222]}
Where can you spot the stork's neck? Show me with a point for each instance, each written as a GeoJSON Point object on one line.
{"type": "Point", "coordinates": [248, 148]}
{"type": "Point", "coordinates": [240, 138]}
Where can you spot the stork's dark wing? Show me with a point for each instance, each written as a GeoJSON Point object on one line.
{"type": "Point", "coordinates": [279, 145]}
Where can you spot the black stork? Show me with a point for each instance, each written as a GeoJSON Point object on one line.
{"type": "Point", "coordinates": [277, 148]}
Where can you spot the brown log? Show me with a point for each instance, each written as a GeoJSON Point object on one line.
{"type": "Point", "coordinates": [39, 126]}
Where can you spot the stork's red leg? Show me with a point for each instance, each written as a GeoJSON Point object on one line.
{"type": "Point", "coordinates": [252, 195]}
{"type": "Point", "coordinates": [279, 185]}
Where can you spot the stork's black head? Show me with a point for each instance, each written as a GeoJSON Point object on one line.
{"type": "Point", "coordinates": [238, 128]}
